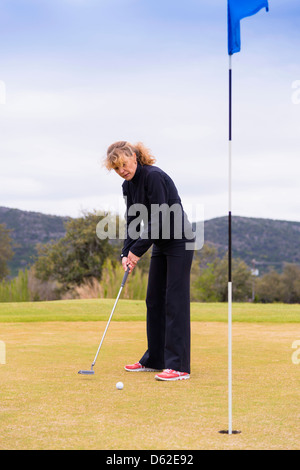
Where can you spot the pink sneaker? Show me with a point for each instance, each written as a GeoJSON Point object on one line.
{"type": "Point", "coordinates": [137, 367]}
{"type": "Point", "coordinates": [170, 374]}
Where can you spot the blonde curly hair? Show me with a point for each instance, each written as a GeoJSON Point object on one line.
{"type": "Point", "coordinates": [117, 151]}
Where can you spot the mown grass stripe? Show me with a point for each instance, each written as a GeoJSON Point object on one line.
{"type": "Point", "coordinates": [135, 310]}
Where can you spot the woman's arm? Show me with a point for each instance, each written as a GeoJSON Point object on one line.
{"type": "Point", "coordinates": [128, 242]}
{"type": "Point", "coordinates": [157, 194]}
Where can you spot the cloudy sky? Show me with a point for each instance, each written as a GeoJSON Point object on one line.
{"type": "Point", "coordinates": [77, 75]}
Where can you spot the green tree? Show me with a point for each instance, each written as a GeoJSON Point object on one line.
{"type": "Point", "coordinates": [76, 257]}
{"type": "Point", "coordinates": [276, 287]}
{"type": "Point", "coordinates": [290, 280]}
{"type": "Point", "coordinates": [268, 288]}
{"type": "Point", "coordinates": [15, 290]}
{"type": "Point", "coordinates": [203, 276]}
{"type": "Point", "coordinates": [241, 280]}
{"type": "Point", "coordinates": [6, 252]}
{"type": "Point", "coordinates": [209, 277]}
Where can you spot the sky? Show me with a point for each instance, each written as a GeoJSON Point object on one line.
{"type": "Point", "coordinates": [78, 75]}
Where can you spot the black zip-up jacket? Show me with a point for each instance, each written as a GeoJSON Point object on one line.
{"type": "Point", "coordinates": [152, 188]}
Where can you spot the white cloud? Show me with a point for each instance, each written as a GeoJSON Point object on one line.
{"type": "Point", "coordinates": [55, 135]}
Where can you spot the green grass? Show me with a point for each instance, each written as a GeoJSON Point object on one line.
{"type": "Point", "coordinates": [45, 404]}
{"type": "Point", "coordinates": [131, 310]}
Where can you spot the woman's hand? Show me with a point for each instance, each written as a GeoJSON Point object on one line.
{"type": "Point", "coordinates": [124, 262]}
{"type": "Point", "coordinates": [132, 261]}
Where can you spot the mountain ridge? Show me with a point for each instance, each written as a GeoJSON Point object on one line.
{"type": "Point", "coordinates": [270, 242]}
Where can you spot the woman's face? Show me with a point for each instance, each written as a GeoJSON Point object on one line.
{"type": "Point", "coordinates": [128, 168]}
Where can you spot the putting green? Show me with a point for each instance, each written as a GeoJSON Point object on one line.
{"type": "Point", "coordinates": [45, 404]}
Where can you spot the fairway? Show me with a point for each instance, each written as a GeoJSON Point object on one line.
{"type": "Point", "coordinates": [45, 404]}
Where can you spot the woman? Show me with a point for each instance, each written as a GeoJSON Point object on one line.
{"type": "Point", "coordinates": [148, 188]}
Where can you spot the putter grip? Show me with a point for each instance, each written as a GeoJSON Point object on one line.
{"type": "Point", "coordinates": [125, 277]}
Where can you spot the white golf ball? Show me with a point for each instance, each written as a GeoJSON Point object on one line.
{"type": "Point", "coordinates": [120, 385]}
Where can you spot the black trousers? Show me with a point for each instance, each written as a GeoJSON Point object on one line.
{"type": "Point", "coordinates": [168, 308]}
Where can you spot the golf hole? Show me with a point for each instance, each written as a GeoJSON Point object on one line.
{"type": "Point", "coordinates": [227, 432]}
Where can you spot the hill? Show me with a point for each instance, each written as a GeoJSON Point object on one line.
{"type": "Point", "coordinates": [269, 242]}
{"type": "Point", "coordinates": [28, 229]}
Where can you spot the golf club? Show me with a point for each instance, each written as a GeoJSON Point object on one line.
{"type": "Point", "coordinates": [91, 371]}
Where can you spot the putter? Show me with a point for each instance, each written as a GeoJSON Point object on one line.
{"type": "Point", "coordinates": [92, 372]}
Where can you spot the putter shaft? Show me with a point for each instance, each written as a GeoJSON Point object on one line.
{"type": "Point", "coordinates": [91, 372]}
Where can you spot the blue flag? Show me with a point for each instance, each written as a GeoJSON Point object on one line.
{"type": "Point", "coordinates": [238, 9]}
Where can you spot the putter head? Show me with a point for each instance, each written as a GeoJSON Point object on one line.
{"type": "Point", "coordinates": [86, 372]}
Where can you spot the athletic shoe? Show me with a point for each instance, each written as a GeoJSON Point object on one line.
{"type": "Point", "coordinates": [137, 367]}
{"type": "Point", "coordinates": [170, 374]}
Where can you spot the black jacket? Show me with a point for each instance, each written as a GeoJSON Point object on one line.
{"type": "Point", "coordinates": [152, 188]}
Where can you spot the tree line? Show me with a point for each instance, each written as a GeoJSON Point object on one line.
{"type": "Point", "coordinates": [82, 265]}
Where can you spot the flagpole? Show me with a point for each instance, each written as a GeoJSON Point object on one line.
{"type": "Point", "coordinates": [230, 255]}
{"type": "Point", "coordinates": [236, 11]}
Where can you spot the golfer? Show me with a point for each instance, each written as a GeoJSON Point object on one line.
{"type": "Point", "coordinates": [147, 190]}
